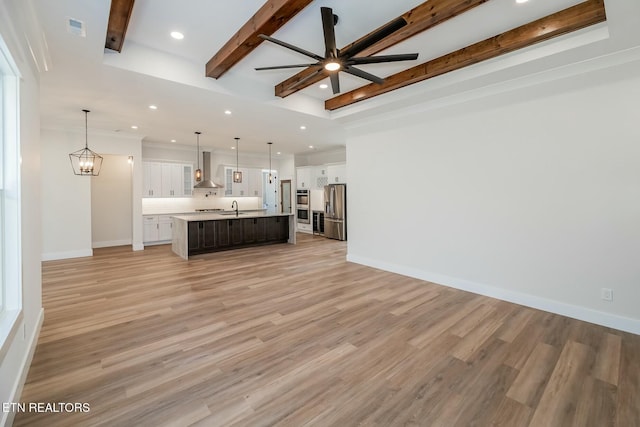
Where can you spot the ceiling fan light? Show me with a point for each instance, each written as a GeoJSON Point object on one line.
{"type": "Point", "coordinates": [332, 66]}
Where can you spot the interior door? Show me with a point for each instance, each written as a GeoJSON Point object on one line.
{"type": "Point", "coordinates": [285, 196]}
{"type": "Point", "coordinates": [270, 190]}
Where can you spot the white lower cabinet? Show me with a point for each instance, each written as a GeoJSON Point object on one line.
{"type": "Point", "coordinates": [165, 228]}
{"type": "Point", "coordinates": [304, 228]}
{"type": "Point", "coordinates": [157, 229]}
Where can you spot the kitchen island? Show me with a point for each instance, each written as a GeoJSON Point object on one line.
{"type": "Point", "coordinates": [200, 233]}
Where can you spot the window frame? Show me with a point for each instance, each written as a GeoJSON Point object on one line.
{"type": "Point", "coordinates": [10, 201]}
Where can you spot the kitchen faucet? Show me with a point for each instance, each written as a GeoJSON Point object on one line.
{"type": "Point", "coordinates": [235, 202]}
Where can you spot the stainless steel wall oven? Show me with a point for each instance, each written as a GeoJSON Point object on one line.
{"type": "Point", "coordinates": [303, 211]}
{"type": "Point", "coordinates": [302, 197]}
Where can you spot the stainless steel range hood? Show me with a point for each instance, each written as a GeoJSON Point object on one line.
{"type": "Point", "coordinates": [206, 182]}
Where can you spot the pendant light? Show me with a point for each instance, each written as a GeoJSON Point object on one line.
{"type": "Point", "coordinates": [84, 161]}
{"type": "Point", "coordinates": [237, 175]}
{"type": "Point", "coordinates": [198, 171]}
{"type": "Point", "coordinates": [270, 175]}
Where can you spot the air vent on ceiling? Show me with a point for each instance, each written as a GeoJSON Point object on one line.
{"type": "Point", "coordinates": [76, 27]}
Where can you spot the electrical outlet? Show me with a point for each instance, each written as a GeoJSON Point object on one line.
{"type": "Point", "coordinates": [606, 294]}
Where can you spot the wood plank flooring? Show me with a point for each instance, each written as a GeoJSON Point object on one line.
{"type": "Point", "coordinates": [293, 335]}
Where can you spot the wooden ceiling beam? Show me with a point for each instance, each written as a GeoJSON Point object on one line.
{"type": "Point", "coordinates": [118, 22]}
{"type": "Point", "coordinates": [571, 19]}
{"type": "Point", "coordinates": [267, 20]}
{"type": "Point", "coordinates": [419, 19]}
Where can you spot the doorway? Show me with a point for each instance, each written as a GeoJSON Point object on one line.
{"type": "Point", "coordinates": [111, 203]}
{"type": "Point", "coordinates": [285, 195]}
{"type": "Point", "coordinates": [270, 190]}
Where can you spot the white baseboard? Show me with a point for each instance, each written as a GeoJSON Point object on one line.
{"type": "Point", "coordinates": [138, 247]}
{"type": "Point", "coordinates": [16, 391]}
{"type": "Point", "coordinates": [576, 312]}
{"type": "Point", "coordinates": [110, 243]}
{"type": "Point", "coordinates": [156, 243]}
{"type": "Point", "coordinates": [50, 256]}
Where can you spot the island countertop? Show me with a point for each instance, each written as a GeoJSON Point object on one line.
{"type": "Point", "coordinates": [199, 233]}
{"type": "Point", "coordinates": [213, 216]}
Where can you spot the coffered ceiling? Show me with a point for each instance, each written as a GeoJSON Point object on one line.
{"type": "Point", "coordinates": [152, 68]}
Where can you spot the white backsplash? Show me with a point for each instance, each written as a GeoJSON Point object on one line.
{"type": "Point", "coordinates": [154, 206]}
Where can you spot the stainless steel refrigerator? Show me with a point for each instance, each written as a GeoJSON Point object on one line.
{"type": "Point", "coordinates": [335, 211]}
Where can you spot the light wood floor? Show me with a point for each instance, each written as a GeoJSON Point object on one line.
{"type": "Point", "coordinates": [295, 336]}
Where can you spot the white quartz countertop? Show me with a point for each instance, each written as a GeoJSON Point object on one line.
{"type": "Point", "coordinates": [212, 216]}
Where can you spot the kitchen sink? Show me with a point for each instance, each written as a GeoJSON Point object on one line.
{"type": "Point", "coordinates": [231, 213]}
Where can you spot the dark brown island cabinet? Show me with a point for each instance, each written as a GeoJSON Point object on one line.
{"type": "Point", "coordinates": [212, 235]}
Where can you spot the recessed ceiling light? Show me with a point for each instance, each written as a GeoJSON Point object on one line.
{"type": "Point", "coordinates": [324, 86]}
{"type": "Point", "coordinates": [227, 112]}
{"type": "Point", "coordinates": [233, 148]}
{"type": "Point", "coordinates": [177, 35]}
{"type": "Point", "coordinates": [278, 153]}
{"type": "Point", "coordinates": [173, 140]}
{"type": "Point", "coordinates": [153, 107]}
{"type": "Point", "coordinates": [303, 127]}
{"type": "Point", "coordinates": [134, 127]}
{"type": "Point", "coordinates": [311, 146]}
{"type": "Point", "coordinates": [521, 1]}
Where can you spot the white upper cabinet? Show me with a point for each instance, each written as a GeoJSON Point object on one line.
{"type": "Point", "coordinates": [337, 173]}
{"type": "Point", "coordinates": [303, 177]}
{"type": "Point", "coordinates": [316, 177]}
{"type": "Point", "coordinates": [166, 179]}
{"type": "Point", "coordinates": [172, 180]}
{"type": "Point", "coordinates": [152, 179]}
{"type": "Point", "coordinates": [187, 180]}
{"type": "Point", "coordinates": [251, 185]}
{"type": "Point", "coordinates": [320, 177]}
{"type": "Point", "coordinates": [255, 182]}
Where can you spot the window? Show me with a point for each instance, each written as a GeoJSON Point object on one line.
{"type": "Point", "coordinates": [10, 243]}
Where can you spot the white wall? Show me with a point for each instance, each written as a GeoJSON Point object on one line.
{"type": "Point", "coordinates": [66, 200]}
{"type": "Point", "coordinates": [532, 195]}
{"type": "Point", "coordinates": [111, 203]}
{"type": "Point", "coordinates": [17, 25]}
{"type": "Point", "coordinates": [338, 155]}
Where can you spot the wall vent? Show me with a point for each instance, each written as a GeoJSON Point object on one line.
{"type": "Point", "coordinates": [76, 27]}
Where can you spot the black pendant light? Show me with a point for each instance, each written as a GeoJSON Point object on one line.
{"type": "Point", "coordinates": [237, 175]}
{"type": "Point", "coordinates": [84, 161]}
{"type": "Point", "coordinates": [270, 175]}
{"type": "Point", "coordinates": [198, 174]}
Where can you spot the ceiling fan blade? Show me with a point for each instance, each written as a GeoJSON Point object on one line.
{"type": "Point", "coordinates": [292, 47]}
{"type": "Point", "coordinates": [374, 38]}
{"type": "Point", "coordinates": [363, 74]}
{"type": "Point", "coordinates": [310, 76]}
{"type": "Point", "coordinates": [382, 58]}
{"type": "Point", "coordinates": [279, 67]}
{"type": "Point", "coordinates": [335, 83]}
{"type": "Point", "coordinates": [329, 32]}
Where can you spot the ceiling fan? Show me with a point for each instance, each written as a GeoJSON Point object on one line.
{"type": "Point", "coordinates": [335, 60]}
